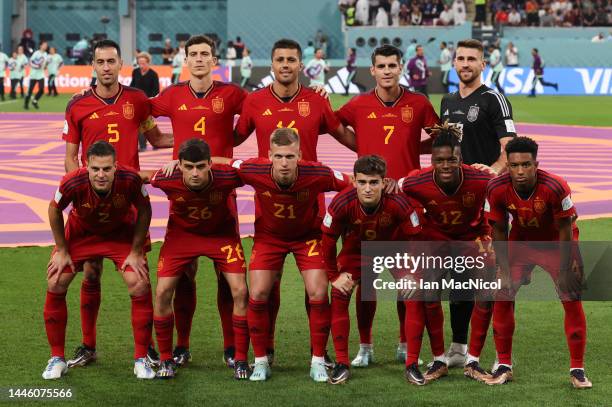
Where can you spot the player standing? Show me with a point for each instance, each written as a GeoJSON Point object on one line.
{"type": "Point", "coordinates": [387, 121]}
{"type": "Point", "coordinates": [110, 218]}
{"type": "Point", "coordinates": [484, 117]}
{"type": "Point", "coordinates": [359, 213]}
{"type": "Point", "coordinates": [288, 221]}
{"type": "Point", "coordinates": [200, 224]}
{"type": "Point", "coordinates": [202, 108]}
{"type": "Point", "coordinates": [453, 196]}
{"type": "Point", "coordinates": [111, 112]}
{"type": "Point", "coordinates": [542, 210]}
{"type": "Point", "coordinates": [38, 61]}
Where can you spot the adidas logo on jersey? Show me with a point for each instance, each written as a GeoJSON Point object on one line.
{"type": "Point", "coordinates": [182, 107]}
{"type": "Point", "coordinates": [94, 115]}
{"type": "Point", "coordinates": [372, 115]}
{"type": "Point", "coordinates": [267, 113]}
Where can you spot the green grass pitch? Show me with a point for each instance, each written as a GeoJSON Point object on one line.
{"type": "Point", "coordinates": [541, 356]}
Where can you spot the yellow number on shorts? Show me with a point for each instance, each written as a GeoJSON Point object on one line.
{"type": "Point", "coordinates": [112, 130]}
{"type": "Point", "coordinates": [280, 208]}
{"type": "Point", "coordinates": [199, 214]}
{"type": "Point", "coordinates": [481, 246]}
{"type": "Point", "coordinates": [370, 234]}
{"type": "Point", "coordinates": [200, 126]}
{"type": "Point", "coordinates": [389, 130]}
{"type": "Point", "coordinates": [230, 253]}
{"type": "Point", "coordinates": [104, 217]}
{"type": "Point", "coordinates": [289, 126]}
{"type": "Point", "coordinates": [455, 217]}
{"type": "Point", "coordinates": [312, 246]}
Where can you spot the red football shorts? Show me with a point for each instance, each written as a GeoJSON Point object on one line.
{"type": "Point", "coordinates": [269, 252]}
{"type": "Point", "coordinates": [181, 248]}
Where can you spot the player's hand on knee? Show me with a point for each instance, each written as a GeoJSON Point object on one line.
{"type": "Point", "coordinates": [344, 283]}
{"type": "Point", "coordinates": [138, 263]}
{"type": "Point", "coordinates": [320, 90]}
{"type": "Point", "coordinates": [60, 260]}
{"type": "Point", "coordinates": [169, 167]}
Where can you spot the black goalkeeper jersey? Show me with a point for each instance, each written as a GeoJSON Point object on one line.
{"type": "Point", "coordinates": [484, 117]}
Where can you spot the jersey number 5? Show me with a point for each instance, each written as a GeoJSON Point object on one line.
{"type": "Point", "coordinates": [113, 132]}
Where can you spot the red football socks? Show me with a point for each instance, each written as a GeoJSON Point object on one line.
{"type": "Point", "coordinates": [481, 319]}
{"type": "Point", "coordinates": [401, 315]}
{"type": "Point", "coordinates": [56, 317]}
{"type": "Point", "coordinates": [90, 305]}
{"type": "Point", "coordinates": [575, 332]}
{"type": "Point", "coordinates": [340, 324]}
{"type": "Point", "coordinates": [164, 330]}
{"type": "Point", "coordinates": [241, 335]}
{"type": "Point", "coordinates": [503, 330]}
{"type": "Point", "coordinates": [319, 321]}
{"type": "Point", "coordinates": [273, 307]}
{"type": "Point", "coordinates": [225, 305]}
{"type": "Point", "coordinates": [142, 322]}
{"type": "Point", "coordinates": [258, 319]}
{"type": "Point", "coordinates": [365, 317]}
{"type": "Point", "coordinates": [434, 321]}
{"type": "Point", "coordinates": [414, 326]}
{"type": "Point", "coordinates": [185, 301]}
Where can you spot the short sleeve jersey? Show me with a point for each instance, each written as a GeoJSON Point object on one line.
{"type": "Point", "coordinates": [90, 118]}
{"type": "Point", "coordinates": [484, 117]}
{"type": "Point", "coordinates": [533, 218]}
{"type": "Point", "coordinates": [203, 212]}
{"type": "Point", "coordinates": [290, 213]}
{"type": "Point", "coordinates": [393, 132]}
{"type": "Point", "coordinates": [209, 116]}
{"type": "Point", "coordinates": [101, 215]}
{"type": "Point", "coordinates": [306, 112]}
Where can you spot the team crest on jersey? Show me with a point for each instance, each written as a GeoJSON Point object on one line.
{"type": "Point", "coordinates": [407, 114]}
{"type": "Point", "coordinates": [304, 109]}
{"type": "Point", "coordinates": [215, 197]}
{"type": "Point", "coordinates": [119, 201]}
{"type": "Point", "coordinates": [128, 111]}
{"type": "Point", "coordinates": [539, 205]}
{"type": "Point", "coordinates": [302, 195]}
{"type": "Point", "coordinates": [217, 105]}
{"type": "Point", "coordinates": [385, 219]}
{"type": "Point", "coordinates": [472, 114]}
{"type": "Point", "coordinates": [469, 199]}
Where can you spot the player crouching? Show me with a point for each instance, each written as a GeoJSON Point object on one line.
{"type": "Point", "coordinates": [359, 213]}
{"type": "Point", "coordinates": [110, 218]}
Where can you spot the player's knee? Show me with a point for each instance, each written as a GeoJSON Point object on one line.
{"type": "Point", "coordinates": [163, 295]}
{"type": "Point", "coordinates": [138, 288]}
{"type": "Point", "coordinates": [318, 293]}
{"type": "Point", "coordinates": [259, 293]}
{"type": "Point", "coordinates": [57, 287]}
{"type": "Point", "coordinates": [240, 296]}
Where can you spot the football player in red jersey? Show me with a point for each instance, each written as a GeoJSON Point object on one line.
{"type": "Point", "coordinates": [388, 121]}
{"type": "Point", "coordinates": [110, 218]}
{"type": "Point", "coordinates": [286, 103]}
{"type": "Point", "coordinates": [202, 108]}
{"type": "Point", "coordinates": [542, 210]}
{"type": "Point", "coordinates": [200, 224]}
{"type": "Point", "coordinates": [358, 213]}
{"type": "Point", "coordinates": [288, 221]}
{"type": "Point", "coordinates": [453, 195]}
{"type": "Point", "coordinates": [115, 113]}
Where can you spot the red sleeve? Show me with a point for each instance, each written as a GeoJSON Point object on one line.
{"type": "Point", "coordinates": [140, 194]}
{"type": "Point", "coordinates": [430, 117]}
{"type": "Point", "coordinates": [71, 132]}
{"type": "Point", "coordinates": [346, 114]}
{"type": "Point", "coordinates": [156, 179]}
{"type": "Point", "coordinates": [329, 121]}
{"type": "Point", "coordinates": [494, 206]}
{"type": "Point", "coordinates": [337, 180]}
{"type": "Point", "coordinates": [236, 180]}
{"type": "Point", "coordinates": [146, 108]}
{"type": "Point", "coordinates": [408, 216]}
{"type": "Point", "coordinates": [240, 96]}
{"type": "Point", "coordinates": [562, 204]}
{"type": "Point", "coordinates": [241, 168]}
{"type": "Point", "coordinates": [66, 192]}
{"type": "Point", "coordinates": [245, 125]}
{"type": "Point", "coordinates": [160, 104]}
{"type": "Point", "coordinates": [332, 227]}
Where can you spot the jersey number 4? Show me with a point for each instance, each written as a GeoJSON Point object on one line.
{"type": "Point", "coordinates": [200, 126]}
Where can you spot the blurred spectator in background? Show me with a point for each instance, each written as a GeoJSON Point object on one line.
{"type": "Point", "coordinates": [411, 49]}
{"type": "Point", "coordinates": [418, 71]}
{"type": "Point", "coordinates": [538, 73]}
{"type": "Point", "coordinates": [416, 16]}
{"type": "Point", "coordinates": [351, 58]}
{"type": "Point", "coordinates": [27, 42]}
{"type": "Point", "coordinates": [481, 11]}
{"type": "Point", "coordinates": [230, 54]}
{"type": "Point", "coordinates": [22, 62]}
{"type": "Point", "coordinates": [80, 52]}
{"type": "Point", "coordinates": [12, 67]}
{"type": "Point", "coordinates": [446, 17]}
{"type": "Point", "coordinates": [145, 79]}
{"type": "Point", "coordinates": [547, 19]}
{"type": "Point", "coordinates": [135, 65]}
{"type": "Point", "coordinates": [4, 61]}
{"type": "Point", "coordinates": [394, 13]}
{"type": "Point", "coordinates": [362, 12]}
{"type": "Point", "coordinates": [308, 52]}
{"type": "Point", "coordinates": [177, 62]}
{"type": "Point", "coordinates": [501, 17]}
{"type": "Point", "coordinates": [459, 12]}
{"type": "Point", "coordinates": [321, 41]}
{"type": "Point", "coordinates": [572, 18]}
{"type": "Point", "coordinates": [382, 18]}
{"type": "Point", "coordinates": [349, 14]}
{"type": "Point", "coordinates": [54, 63]}
{"type": "Point", "coordinates": [532, 11]}
{"type": "Point", "coordinates": [373, 10]}
{"type": "Point", "coordinates": [404, 15]}
{"type": "Point", "coordinates": [429, 12]}
{"type": "Point", "coordinates": [316, 68]}
{"type": "Point", "coordinates": [495, 6]}
{"type": "Point", "coordinates": [514, 17]}
{"type": "Point", "coordinates": [446, 64]}
{"type": "Point", "coordinates": [37, 75]}
{"type": "Point", "coordinates": [589, 17]}
{"type": "Point", "coordinates": [598, 38]}
{"type": "Point", "coordinates": [239, 46]}
{"type": "Point", "coordinates": [167, 52]}
{"type": "Point", "coordinates": [246, 67]}
{"type": "Point", "coordinates": [511, 55]}
{"type": "Point", "coordinates": [495, 62]}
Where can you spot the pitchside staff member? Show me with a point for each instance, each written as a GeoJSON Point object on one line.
{"type": "Point", "coordinates": [485, 119]}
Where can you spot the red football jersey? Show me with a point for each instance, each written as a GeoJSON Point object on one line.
{"type": "Point", "coordinates": [210, 117]}
{"type": "Point", "coordinates": [89, 118]}
{"type": "Point", "coordinates": [293, 212]}
{"type": "Point", "coordinates": [101, 215]}
{"type": "Point", "coordinates": [534, 218]}
{"type": "Point", "coordinates": [393, 132]}
{"type": "Point", "coordinates": [459, 216]}
{"type": "Point", "coordinates": [202, 212]}
{"type": "Point", "coordinates": [307, 112]}
{"type": "Point", "coordinates": [392, 219]}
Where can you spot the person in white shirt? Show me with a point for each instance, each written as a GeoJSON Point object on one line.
{"type": "Point", "coordinates": [459, 12]}
{"type": "Point", "coordinates": [514, 17]}
{"type": "Point", "coordinates": [315, 69]}
{"type": "Point", "coordinates": [246, 67]}
{"type": "Point", "coordinates": [395, 9]}
{"type": "Point", "coordinates": [446, 16]}
{"type": "Point", "coordinates": [495, 62]}
{"type": "Point", "coordinates": [382, 18]}
{"type": "Point", "coordinates": [177, 62]}
{"type": "Point", "coordinates": [362, 12]}
{"type": "Point", "coordinates": [4, 59]}
{"type": "Point", "coordinates": [511, 54]}
{"type": "Point", "coordinates": [230, 54]}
